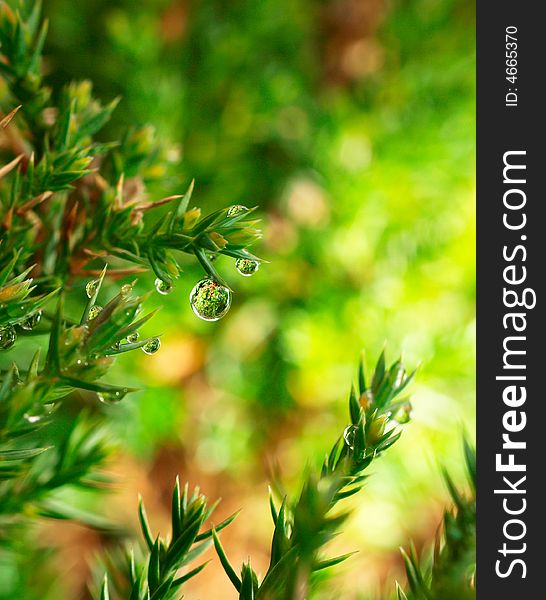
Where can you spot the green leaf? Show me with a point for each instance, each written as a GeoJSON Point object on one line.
{"type": "Point", "coordinates": [379, 373]}
{"type": "Point", "coordinates": [176, 510]}
{"type": "Point", "coordinates": [230, 571]}
{"type": "Point", "coordinates": [181, 206]}
{"type": "Point", "coordinates": [180, 580]}
{"type": "Point", "coordinates": [354, 407]}
{"type": "Point", "coordinates": [400, 594]}
{"type": "Point", "coordinates": [144, 525]}
{"type": "Point", "coordinates": [332, 562]}
{"type": "Point", "coordinates": [22, 454]}
{"type": "Point", "coordinates": [276, 579]}
{"type": "Point", "coordinates": [104, 593]}
{"type": "Point", "coordinates": [207, 534]}
{"type": "Point", "coordinates": [154, 573]}
{"type": "Point", "coordinates": [361, 376]}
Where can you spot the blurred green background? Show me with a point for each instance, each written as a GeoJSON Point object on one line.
{"type": "Point", "coordinates": [350, 123]}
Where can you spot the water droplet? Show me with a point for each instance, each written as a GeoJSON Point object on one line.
{"type": "Point", "coordinates": [152, 346]}
{"type": "Point", "coordinates": [112, 397]}
{"type": "Point", "coordinates": [126, 290]}
{"type": "Point", "coordinates": [133, 337]}
{"type": "Point", "coordinates": [39, 412]}
{"type": "Point", "coordinates": [403, 414]}
{"type": "Point", "coordinates": [210, 300]}
{"type": "Point", "coordinates": [94, 312]}
{"type": "Point", "coordinates": [163, 287]}
{"type": "Point", "coordinates": [30, 322]}
{"type": "Point", "coordinates": [349, 436]}
{"type": "Point", "coordinates": [246, 266]}
{"type": "Point", "coordinates": [30, 418]}
{"type": "Point", "coordinates": [91, 288]}
{"type": "Point", "coordinates": [236, 209]}
{"type": "Point", "coordinates": [116, 345]}
{"type": "Point", "coordinates": [7, 337]}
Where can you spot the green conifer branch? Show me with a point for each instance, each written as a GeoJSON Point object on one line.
{"type": "Point", "coordinates": [304, 525]}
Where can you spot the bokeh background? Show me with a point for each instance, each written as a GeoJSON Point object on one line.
{"type": "Point", "coordinates": [350, 123]}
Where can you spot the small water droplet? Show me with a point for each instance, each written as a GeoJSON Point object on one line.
{"type": "Point", "coordinates": [152, 346]}
{"type": "Point", "coordinates": [210, 300]}
{"type": "Point", "coordinates": [91, 288]}
{"type": "Point", "coordinates": [133, 337]}
{"type": "Point", "coordinates": [116, 345]}
{"type": "Point", "coordinates": [30, 322]}
{"type": "Point", "coordinates": [32, 418]}
{"type": "Point", "coordinates": [7, 337]}
{"type": "Point", "coordinates": [126, 290]}
{"type": "Point", "coordinates": [39, 412]}
{"type": "Point", "coordinates": [236, 209]}
{"type": "Point", "coordinates": [163, 287]}
{"type": "Point", "coordinates": [403, 414]}
{"type": "Point", "coordinates": [94, 312]}
{"type": "Point", "coordinates": [112, 397]}
{"type": "Point", "coordinates": [349, 436]}
{"type": "Point", "coordinates": [247, 267]}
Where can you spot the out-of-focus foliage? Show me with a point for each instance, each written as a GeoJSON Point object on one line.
{"type": "Point", "coordinates": [452, 574]}
{"type": "Point", "coordinates": [351, 123]}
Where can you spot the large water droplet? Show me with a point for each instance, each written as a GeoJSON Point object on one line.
{"type": "Point", "coordinates": [236, 209]}
{"type": "Point", "coordinates": [246, 266]}
{"type": "Point", "coordinates": [152, 346]}
{"type": "Point", "coordinates": [30, 322]}
{"type": "Point", "coordinates": [94, 312]}
{"type": "Point", "coordinates": [349, 436]}
{"type": "Point", "coordinates": [91, 287]}
{"type": "Point", "coordinates": [163, 287]}
{"type": "Point", "coordinates": [7, 337]}
{"type": "Point", "coordinates": [133, 337]}
{"type": "Point", "coordinates": [112, 397]}
{"type": "Point", "coordinates": [210, 300]}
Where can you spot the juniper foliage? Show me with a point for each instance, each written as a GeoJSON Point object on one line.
{"type": "Point", "coordinates": [304, 525]}
{"type": "Point", "coordinates": [69, 203]}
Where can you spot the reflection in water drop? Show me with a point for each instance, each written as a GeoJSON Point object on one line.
{"type": "Point", "coordinates": [163, 287]}
{"type": "Point", "coordinates": [236, 209]}
{"type": "Point", "coordinates": [30, 322]}
{"type": "Point", "coordinates": [210, 300]}
{"type": "Point", "coordinates": [349, 436]}
{"type": "Point", "coordinates": [94, 312]}
{"type": "Point", "coordinates": [246, 266]}
{"type": "Point", "coordinates": [7, 337]}
{"type": "Point", "coordinates": [113, 396]}
{"type": "Point", "coordinates": [152, 346]}
{"type": "Point", "coordinates": [91, 288]}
